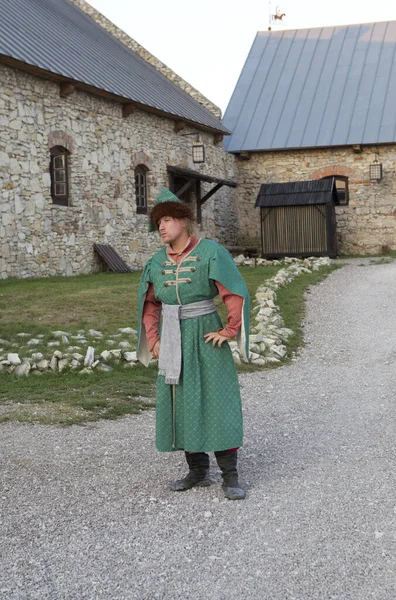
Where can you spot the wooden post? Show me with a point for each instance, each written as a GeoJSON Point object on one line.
{"type": "Point", "coordinates": [198, 197]}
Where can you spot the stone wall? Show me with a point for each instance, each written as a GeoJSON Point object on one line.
{"type": "Point", "coordinates": [367, 225]}
{"type": "Point", "coordinates": [39, 238]}
{"type": "Point", "coordinates": [147, 56]}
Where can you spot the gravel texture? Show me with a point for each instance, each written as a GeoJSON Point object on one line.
{"type": "Point", "coordinates": [85, 512]}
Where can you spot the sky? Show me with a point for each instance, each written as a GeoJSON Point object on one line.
{"type": "Point", "coordinates": [206, 42]}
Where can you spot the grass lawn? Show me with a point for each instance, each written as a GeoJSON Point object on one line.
{"type": "Point", "coordinates": [104, 302]}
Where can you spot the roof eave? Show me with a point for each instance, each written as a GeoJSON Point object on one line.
{"type": "Point", "coordinates": [45, 74]}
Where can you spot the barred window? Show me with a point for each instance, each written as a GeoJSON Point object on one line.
{"type": "Point", "coordinates": [59, 171]}
{"type": "Point", "coordinates": [141, 189]}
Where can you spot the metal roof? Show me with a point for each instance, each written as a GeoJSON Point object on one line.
{"type": "Point", "coordinates": [297, 193]}
{"type": "Point", "coordinates": [56, 36]}
{"type": "Point", "coordinates": [307, 88]}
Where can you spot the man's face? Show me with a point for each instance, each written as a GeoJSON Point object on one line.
{"type": "Point", "coordinates": [171, 229]}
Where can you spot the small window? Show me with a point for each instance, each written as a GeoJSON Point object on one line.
{"type": "Point", "coordinates": [342, 188]}
{"type": "Point", "coordinates": [141, 189]}
{"type": "Point", "coordinates": [59, 170]}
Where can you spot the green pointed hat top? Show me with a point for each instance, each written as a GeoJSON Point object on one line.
{"type": "Point", "coordinates": [167, 204]}
{"type": "Point", "coordinates": [165, 195]}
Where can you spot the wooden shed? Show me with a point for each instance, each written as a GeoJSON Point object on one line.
{"type": "Point", "coordinates": [298, 218]}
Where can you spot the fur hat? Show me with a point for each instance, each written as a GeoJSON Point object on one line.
{"type": "Point", "coordinates": [168, 205]}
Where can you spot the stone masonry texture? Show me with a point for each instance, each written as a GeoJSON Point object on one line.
{"type": "Point", "coordinates": [367, 225]}
{"type": "Point", "coordinates": [39, 238]}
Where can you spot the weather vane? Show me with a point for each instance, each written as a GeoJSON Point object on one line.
{"type": "Point", "coordinates": [275, 18]}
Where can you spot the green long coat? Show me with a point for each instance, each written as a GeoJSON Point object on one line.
{"type": "Point", "coordinates": [203, 412]}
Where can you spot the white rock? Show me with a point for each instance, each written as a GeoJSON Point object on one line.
{"type": "Point", "coordinates": [128, 330]}
{"type": "Point", "coordinates": [94, 333]}
{"type": "Point", "coordinates": [255, 348]}
{"type": "Point", "coordinates": [86, 372]}
{"type": "Point", "coordinates": [75, 364]}
{"type": "Point", "coordinates": [272, 360]}
{"type": "Point", "coordinates": [104, 368]}
{"type": "Point", "coordinates": [37, 356]}
{"type": "Point", "coordinates": [65, 339]}
{"type": "Point", "coordinates": [89, 357]}
{"type": "Point", "coordinates": [260, 361]}
{"type": "Point", "coordinates": [130, 356]}
{"type": "Point", "coordinates": [279, 350]}
{"type": "Point", "coordinates": [23, 334]}
{"type": "Point", "coordinates": [110, 342]}
{"type": "Point", "coordinates": [54, 363]}
{"type": "Point", "coordinates": [95, 364]}
{"type": "Point", "coordinates": [60, 333]}
{"type": "Point", "coordinates": [77, 356]}
{"type": "Point", "coordinates": [4, 342]}
{"type": "Point", "coordinates": [43, 364]}
{"type": "Point", "coordinates": [62, 364]}
{"type": "Point", "coordinates": [58, 354]}
{"type": "Point", "coordinates": [22, 369]}
{"type": "Point", "coordinates": [116, 353]}
{"type": "Point", "coordinates": [13, 359]}
{"type": "Point", "coordinates": [106, 355]}
{"type": "Point", "coordinates": [33, 342]}
{"type": "Point", "coordinates": [238, 260]}
{"type": "Point", "coordinates": [125, 345]}
{"type": "Point", "coordinates": [253, 356]}
{"type": "Point", "coordinates": [53, 344]}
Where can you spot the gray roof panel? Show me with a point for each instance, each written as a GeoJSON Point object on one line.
{"type": "Point", "coordinates": [56, 36]}
{"type": "Point", "coordinates": [297, 193]}
{"type": "Point", "coordinates": [320, 87]}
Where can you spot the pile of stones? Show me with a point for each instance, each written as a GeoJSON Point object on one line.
{"type": "Point", "coordinates": [268, 335]}
{"type": "Point", "coordinates": [67, 357]}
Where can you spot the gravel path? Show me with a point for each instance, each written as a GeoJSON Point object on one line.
{"type": "Point", "coordinates": [85, 512]}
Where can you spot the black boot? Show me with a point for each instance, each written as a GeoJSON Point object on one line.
{"type": "Point", "coordinates": [227, 462]}
{"type": "Point", "coordinates": [198, 474]}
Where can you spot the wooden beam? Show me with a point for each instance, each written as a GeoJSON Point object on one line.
{"type": "Point", "coordinates": [179, 125]}
{"type": "Point", "coordinates": [185, 187]}
{"type": "Point", "coordinates": [212, 191]}
{"type": "Point", "coordinates": [127, 109]}
{"type": "Point", "coordinates": [189, 173]}
{"type": "Point", "coordinates": [218, 138]}
{"type": "Point", "coordinates": [66, 89]}
{"type": "Point", "coordinates": [199, 201]}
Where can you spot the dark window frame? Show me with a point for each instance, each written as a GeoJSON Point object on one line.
{"type": "Point", "coordinates": [141, 187]}
{"type": "Point", "coordinates": [59, 175]}
{"type": "Point", "coordinates": [343, 196]}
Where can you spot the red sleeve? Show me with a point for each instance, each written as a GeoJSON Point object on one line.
{"type": "Point", "coordinates": [151, 316]}
{"type": "Point", "coordinates": [234, 306]}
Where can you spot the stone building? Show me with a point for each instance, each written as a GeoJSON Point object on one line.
{"type": "Point", "coordinates": [91, 127]}
{"type": "Point", "coordinates": [318, 103]}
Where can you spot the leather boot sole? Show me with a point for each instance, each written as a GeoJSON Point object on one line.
{"type": "Point", "coordinates": [180, 485]}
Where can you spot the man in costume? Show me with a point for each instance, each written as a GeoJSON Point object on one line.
{"type": "Point", "coordinates": [198, 398]}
